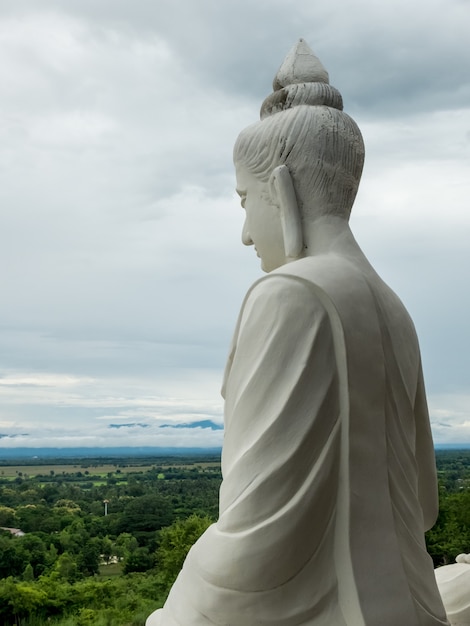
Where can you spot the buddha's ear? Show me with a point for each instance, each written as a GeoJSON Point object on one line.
{"type": "Point", "coordinates": [282, 187]}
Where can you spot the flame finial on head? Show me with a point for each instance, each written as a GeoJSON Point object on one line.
{"type": "Point", "coordinates": [300, 66]}
{"type": "Point", "coordinates": [301, 79]}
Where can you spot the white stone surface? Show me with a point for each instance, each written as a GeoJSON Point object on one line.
{"type": "Point", "coordinates": [328, 466]}
{"type": "Point", "coordinates": [300, 66]}
{"type": "Point", "coordinates": [454, 584]}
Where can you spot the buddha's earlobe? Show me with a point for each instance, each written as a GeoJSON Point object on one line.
{"type": "Point", "coordinates": [283, 189]}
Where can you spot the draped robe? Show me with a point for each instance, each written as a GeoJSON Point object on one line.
{"type": "Point", "coordinates": [329, 478]}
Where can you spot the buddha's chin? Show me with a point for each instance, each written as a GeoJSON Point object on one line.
{"type": "Point", "coordinates": [266, 268]}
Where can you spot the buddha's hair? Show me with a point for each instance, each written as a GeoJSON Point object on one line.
{"type": "Point", "coordinates": [303, 126]}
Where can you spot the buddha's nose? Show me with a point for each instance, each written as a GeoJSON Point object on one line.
{"type": "Point", "coordinates": [246, 238]}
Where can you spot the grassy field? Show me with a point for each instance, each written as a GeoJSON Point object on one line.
{"type": "Point", "coordinates": [111, 570]}
{"type": "Point", "coordinates": [196, 465]}
{"type": "Point", "coordinates": [93, 471]}
{"type": "Point", "coordinates": [12, 471]}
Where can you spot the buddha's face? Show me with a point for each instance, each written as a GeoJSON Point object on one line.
{"type": "Point", "coordinates": [262, 228]}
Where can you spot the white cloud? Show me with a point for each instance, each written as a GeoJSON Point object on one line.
{"type": "Point", "coordinates": [450, 418]}
{"type": "Point", "coordinates": [119, 229]}
{"type": "Point", "coordinates": [55, 410]}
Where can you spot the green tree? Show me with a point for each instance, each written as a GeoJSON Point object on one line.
{"type": "Point", "coordinates": [145, 514]}
{"type": "Point", "coordinates": [35, 552]}
{"type": "Point", "coordinates": [36, 517]}
{"type": "Point", "coordinates": [7, 516]}
{"type": "Point", "coordinates": [28, 574]}
{"type": "Point", "coordinates": [174, 544]}
{"type": "Point", "coordinates": [125, 545]}
{"type": "Point", "coordinates": [27, 599]}
{"type": "Point", "coordinates": [107, 549]}
{"type": "Point", "coordinates": [88, 560]}
{"type": "Point", "coordinates": [66, 567]}
{"type": "Point", "coordinates": [51, 556]}
{"type": "Point", "coordinates": [139, 561]}
{"type": "Point", "coordinates": [74, 537]}
{"type": "Point", "coordinates": [13, 559]}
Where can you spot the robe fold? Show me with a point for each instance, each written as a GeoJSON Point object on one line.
{"type": "Point", "coordinates": [328, 467]}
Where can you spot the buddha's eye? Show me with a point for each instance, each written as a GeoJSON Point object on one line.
{"type": "Point", "coordinates": [242, 195]}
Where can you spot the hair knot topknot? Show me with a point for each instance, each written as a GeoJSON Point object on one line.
{"type": "Point", "coordinates": [301, 79]}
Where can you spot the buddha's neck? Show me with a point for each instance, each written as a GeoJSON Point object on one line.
{"type": "Point", "coordinates": [329, 235]}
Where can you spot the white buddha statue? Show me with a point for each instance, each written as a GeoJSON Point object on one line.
{"type": "Point", "coordinates": [329, 477]}
{"type": "Point", "coordinates": [454, 585]}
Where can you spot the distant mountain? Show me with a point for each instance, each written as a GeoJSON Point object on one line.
{"type": "Point", "coordinates": [201, 424]}
{"type": "Point", "coordinates": [58, 453]}
{"type": "Point", "coordinates": [67, 453]}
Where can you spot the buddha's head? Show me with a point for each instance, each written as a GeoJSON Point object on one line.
{"type": "Point", "coordinates": [303, 160]}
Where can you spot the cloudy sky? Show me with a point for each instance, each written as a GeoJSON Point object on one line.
{"type": "Point", "coordinates": [122, 269]}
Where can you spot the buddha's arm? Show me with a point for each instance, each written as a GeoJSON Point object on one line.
{"type": "Point", "coordinates": [281, 413]}
{"type": "Point", "coordinates": [279, 463]}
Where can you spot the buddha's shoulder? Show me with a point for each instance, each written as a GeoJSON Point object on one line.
{"type": "Point", "coordinates": [308, 275]}
{"type": "Point", "coordinates": [280, 291]}
{"type": "Point", "coordinates": [323, 282]}
{"type": "Point", "coordinates": [321, 268]}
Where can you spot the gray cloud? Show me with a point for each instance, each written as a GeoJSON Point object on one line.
{"type": "Point", "coordinates": [119, 228]}
{"type": "Point", "coordinates": [388, 58]}
{"type": "Point", "coordinates": [132, 425]}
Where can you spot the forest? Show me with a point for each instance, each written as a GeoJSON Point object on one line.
{"type": "Point", "coordinates": [102, 540]}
